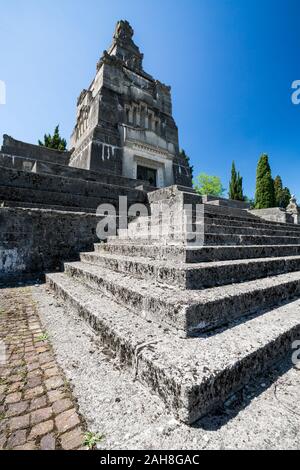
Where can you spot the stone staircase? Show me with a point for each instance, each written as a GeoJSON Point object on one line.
{"type": "Point", "coordinates": [20, 188]}
{"type": "Point", "coordinates": [194, 323]}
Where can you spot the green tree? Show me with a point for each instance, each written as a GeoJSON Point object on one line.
{"type": "Point", "coordinates": [208, 185]}
{"type": "Point", "coordinates": [278, 188]}
{"type": "Point", "coordinates": [236, 185]}
{"type": "Point", "coordinates": [286, 197]}
{"type": "Point", "coordinates": [54, 141]}
{"type": "Point", "coordinates": [282, 195]}
{"type": "Point", "coordinates": [264, 195]}
{"type": "Point", "coordinates": [187, 159]}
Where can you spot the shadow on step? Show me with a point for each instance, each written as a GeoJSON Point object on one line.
{"type": "Point", "coordinates": [23, 281]}
{"type": "Point", "coordinates": [244, 396]}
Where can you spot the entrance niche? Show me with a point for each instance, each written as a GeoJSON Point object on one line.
{"type": "Point", "coordinates": [147, 174]}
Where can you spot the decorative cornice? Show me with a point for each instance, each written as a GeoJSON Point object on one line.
{"type": "Point", "coordinates": [151, 149]}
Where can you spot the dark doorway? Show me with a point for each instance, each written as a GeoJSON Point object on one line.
{"type": "Point", "coordinates": [147, 174]}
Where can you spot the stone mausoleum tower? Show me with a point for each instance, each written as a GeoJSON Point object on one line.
{"type": "Point", "coordinates": [124, 120]}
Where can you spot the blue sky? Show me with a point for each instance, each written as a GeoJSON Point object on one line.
{"type": "Point", "coordinates": [230, 63]}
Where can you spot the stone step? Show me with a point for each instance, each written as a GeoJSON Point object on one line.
{"type": "Point", "coordinates": [193, 312]}
{"type": "Point", "coordinates": [247, 230]}
{"type": "Point", "coordinates": [219, 201]}
{"type": "Point", "coordinates": [224, 211]}
{"type": "Point", "coordinates": [29, 205]}
{"type": "Point", "coordinates": [226, 239]}
{"type": "Point", "coordinates": [196, 276]}
{"type": "Point", "coordinates": [56, 198]}
{"type": "Point", "coordinates": [192, 376]}
{"type": "Point", "coordinates": [220, 228]}
{"type": "Point", "coordinates": [238, 215]}
{"type": "Point", "coordinates": [205, 239]}
{"type": "Point", "coordinates": [226, 220]}
{"type": "Point", "coordinates": [10, 178]}
{"type": "Point", "coordinates": [252, 223]}
{"type": "Point", "coordinates": [186, 254]}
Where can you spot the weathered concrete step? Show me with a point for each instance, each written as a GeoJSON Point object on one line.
{"type": "Point", "coordinates": [214, 228]}
{"type": "Point", "coordinates": [196, 276]}
{"type": "Point", "coordinates": [224, 239]}
{"type": "Point", "coordinates": [29, 205]}
{"type": "Point", "coordinates": [10, 178]}
{"type": "Point", "coordinates": [225, 211]}
{"type": "Point", "coordinates": [247, 230]}
{"type": "Point", "coordinates": [63, 170]}
{"type": "Point", "coordinates": [192, 376]}
{"type": "Point", "coordinates": [188, 312]}
{"type": "Point", "coordinates": [252, 223]}
{"type": "Point", "coordinates": [186, 254]}
{"type": "Point", "coordinates": [220, 201]}
{"type": "Point", "coordinates": [212, 220]}
{"type": "Point", "coordinates": [204, 239]}
{"type": "Point", "coordinates": [238, 215]}
{"type": "Point", "coordinates": [56, 198]}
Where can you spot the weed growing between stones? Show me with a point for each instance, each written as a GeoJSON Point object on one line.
{"type": "Point", "coordinates": [43, 337]}
{"type": "Point", "coordinates": [92, 439]}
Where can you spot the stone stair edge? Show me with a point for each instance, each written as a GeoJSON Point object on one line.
{"type": "Point", "coordinates": [269, 340]}
{"type": "Point", "coordinates": [200, 310]}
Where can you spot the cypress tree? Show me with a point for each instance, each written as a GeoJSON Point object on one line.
{"type": "Point", "coordinates": [286, 197]}
{"type": "Point", "coordinates": [240, 189]}
{"type": "Point", "coordinates": [278, 191]}
{"type": "Point", "coordinates": [264, 195]}
{"type": "Point", "coordinates": [282, 195]}
{"type": "Point", "coordinates": [236, 185]}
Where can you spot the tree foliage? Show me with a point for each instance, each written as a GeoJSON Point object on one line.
{"type": "Point", "coordinates": [282, 194]}
{"type": "Point", "coordinates": [236, 185]}
{"type": "Point", "coordinates": [54, 141]}
{"type": "Point", "coordinates": [208, 185]}
{"type": "Point", "coordinates": [264, 195]}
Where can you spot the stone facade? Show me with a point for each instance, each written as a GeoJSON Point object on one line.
{"type": "Point", "coordinates": [124, 120]}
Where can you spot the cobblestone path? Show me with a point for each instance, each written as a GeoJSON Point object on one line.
{"type": "Point", "coordinates": [37, 410]}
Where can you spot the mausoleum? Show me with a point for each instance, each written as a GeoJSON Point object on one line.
{"type": "Point", "coordinates": [124, 120]}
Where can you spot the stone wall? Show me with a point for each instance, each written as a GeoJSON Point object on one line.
{"type": "Point", "coordinates": [33, 152]}
{"type": "Point", "coordinates": [35, 241]}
